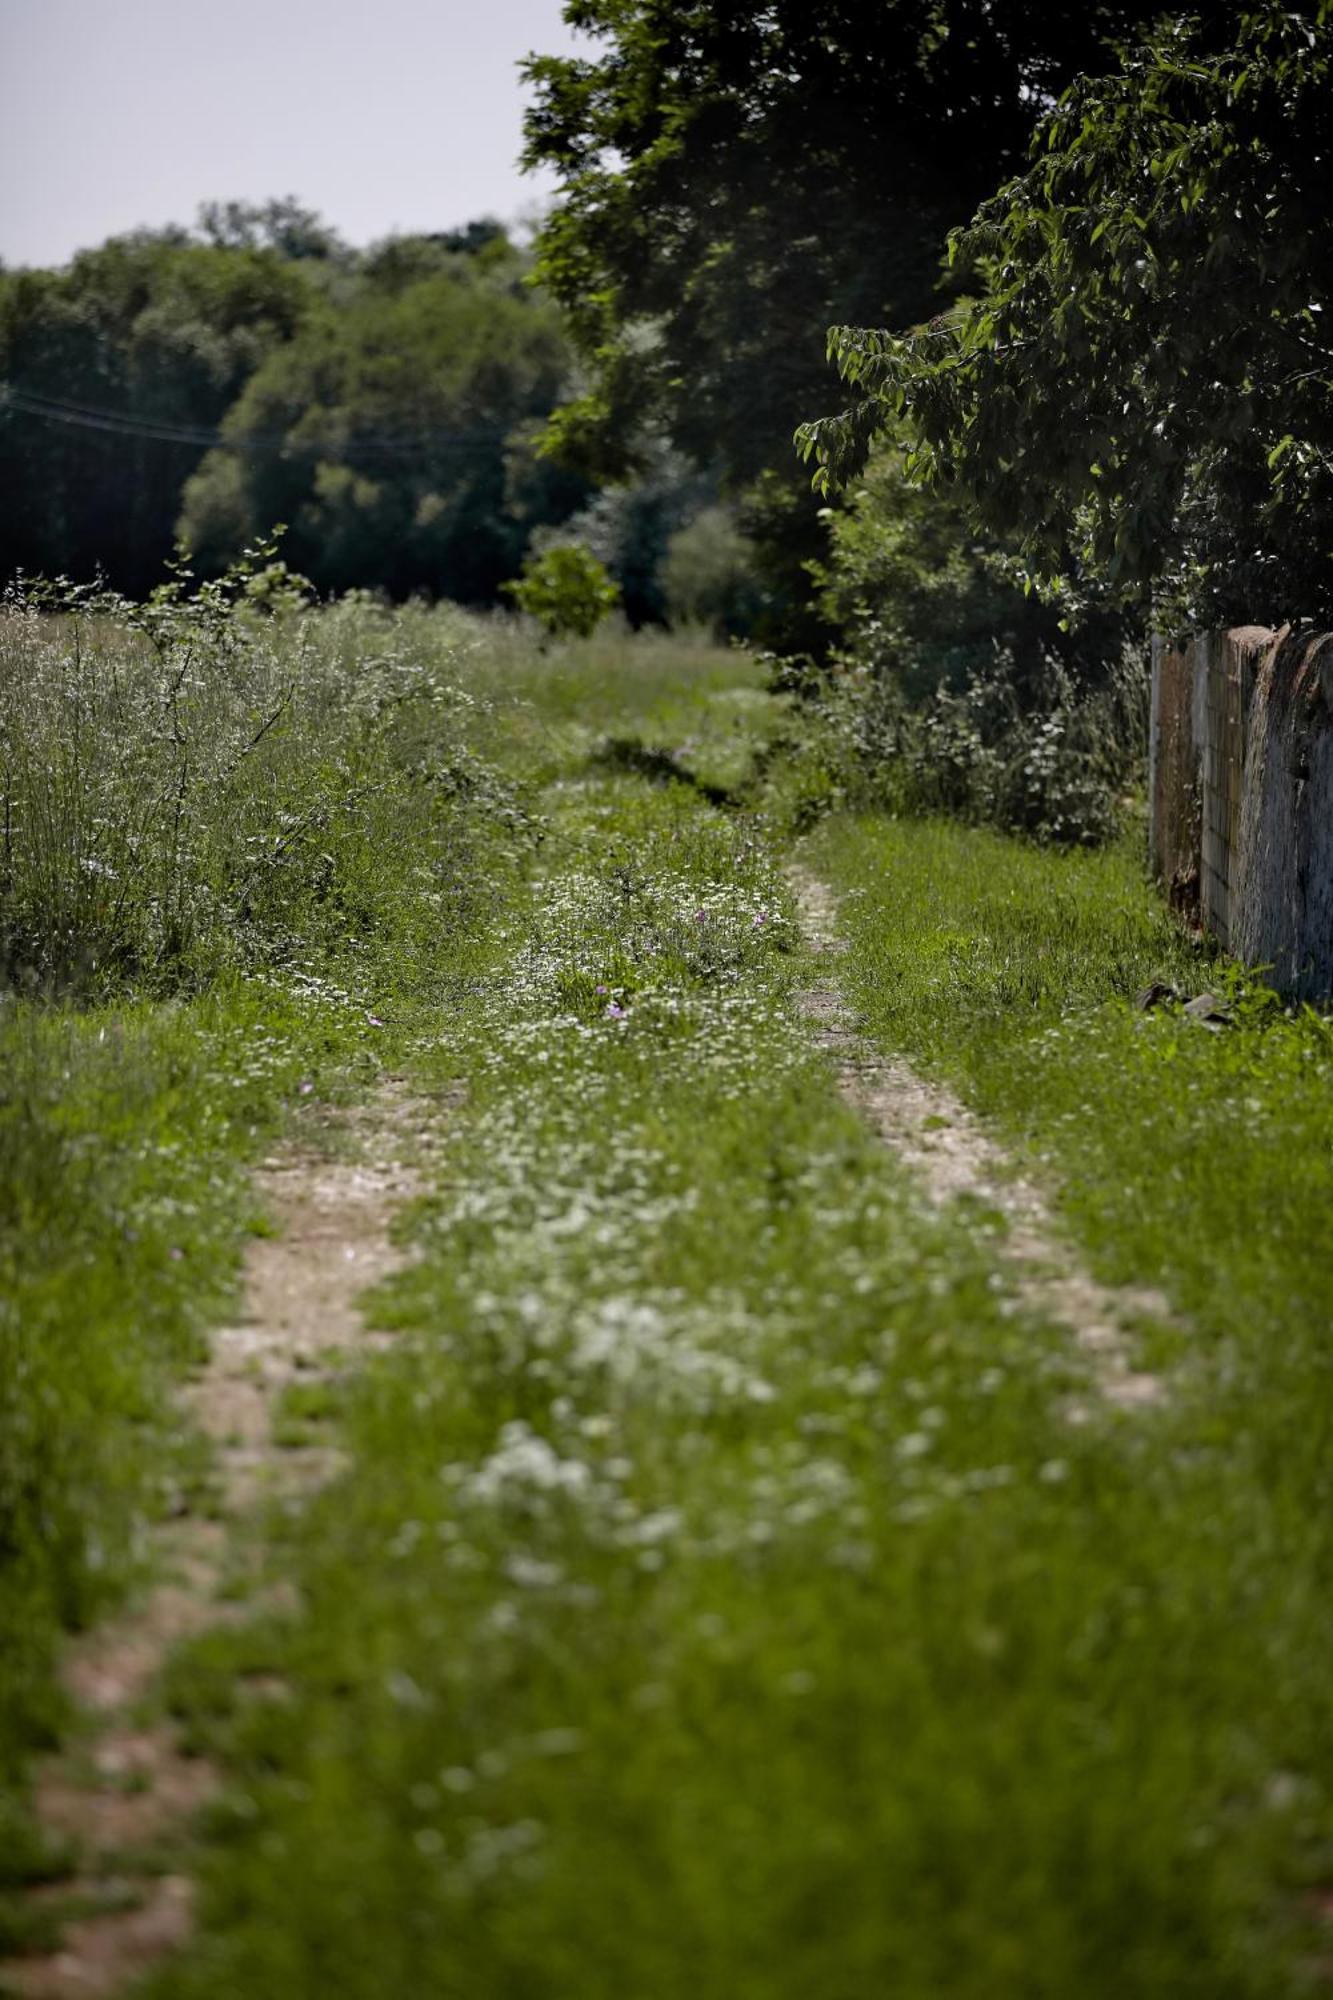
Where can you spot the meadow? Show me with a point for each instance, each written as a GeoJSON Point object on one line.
{"type": "Point", "coordinates": [733, 1587]}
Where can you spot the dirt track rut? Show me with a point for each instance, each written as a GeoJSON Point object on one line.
{"type": "Point", "coordinates": [935, 1135]}
{"type": "Point", "coordinates": [124, 1797]}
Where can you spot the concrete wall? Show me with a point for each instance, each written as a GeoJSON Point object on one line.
{"type": "Point", "coordinates": [1282, 891]}
{"type": "Point", "coordinates": [1241, 796]}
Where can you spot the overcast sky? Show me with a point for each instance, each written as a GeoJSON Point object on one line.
{"type": "Point", "coordinates": [385, 115]}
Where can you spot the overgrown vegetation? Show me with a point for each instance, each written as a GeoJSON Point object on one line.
{"type": "Point", "coordinates": [954, 689]}
{"type": "Point", "coordinates": [716, 1537]}
{"type": "Point", "coordinates": [124, 1135]}
{"type": "Point", "coordinates": [277, 820]}
{"type": "Point", "coordinates": [731, 1585]}
{"type": "Point", "coordinates": [209, 783]}
{"type": "Point", "coordinates": [1035, 753]}
{"type": "Point", "coordinates": [1140, 385]}
{"type": "Point", "coordinates": [733, 179]}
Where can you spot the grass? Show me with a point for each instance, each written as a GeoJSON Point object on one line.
{"type": "Point", "coordinates": [124, 1133]}
{"type": "Point", "coordinates": [202, 944]}
{"type": "Point", "coordinates": [719, 1599]}
{"type": "Point", "coordinates": [1198, 1161]}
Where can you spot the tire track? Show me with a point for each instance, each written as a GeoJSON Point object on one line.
{"type": "Point", "coordinates": [129, 1790]}
{"type": "Point", "coordinates": [935, 1135]}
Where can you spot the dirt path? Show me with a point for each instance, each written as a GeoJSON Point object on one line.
{"type": "Point", "coordinates": [125, 1796]}
{"type": "Point", "coordinates": [935, 1134]}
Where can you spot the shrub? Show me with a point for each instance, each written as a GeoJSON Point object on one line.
{"type": "Point", "coordinates": [955, 690]}
{"type": "Point", "coordinates": [567, 590]}
{"type": "Point", "coordinates": [216, 779]}
{"type": "Point", "coordinates": [920, 595]}
{"type": "Point", "coordinates": [1034, 752]}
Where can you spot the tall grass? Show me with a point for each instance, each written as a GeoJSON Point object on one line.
{"type": "Point", "coordinates": [199, 785]}
{"type": "Point", "coordinates": [274, 819]}
{"type": "Point", "coordinates": [1037, 753]}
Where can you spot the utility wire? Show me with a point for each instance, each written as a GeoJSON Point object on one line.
{"type": "Point", "coordinates": [119, 423]}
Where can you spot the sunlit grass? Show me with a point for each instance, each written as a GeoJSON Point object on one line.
{"type": "Point", "coordinates": [1194, 1159]}
{"type": "Point", "coordinates": [720, 1600]}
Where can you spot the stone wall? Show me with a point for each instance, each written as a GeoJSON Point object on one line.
{"type": "Point", "coordinates": [1241, 796]}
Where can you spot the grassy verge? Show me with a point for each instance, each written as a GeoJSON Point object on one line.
{"type": "Point", "coordinates": [720, 1601]}
{"type": "Point", "coordinates": [124, 1133]}
{"type": "Point", "coordinates": [241, 863]}
{"type": "Point", "coordinates": [1197, 1160]}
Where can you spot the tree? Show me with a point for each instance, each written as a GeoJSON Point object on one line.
{"type": "Point", "coordinates": [393, 432]}
{"type": "Point", "coordinates": [115, 373]}
{"type": "Point", "coordinates": [924, 600]}
{"type": "Point", "coordinates": [1142, 381]}
{"type": "Point", "coordinates": [735, 176]}
{"type": "Point", "coordinates": [629, 527]}
{"type": "Point", "coordinates": [284, 225]}
{"type": "Point", "coordinates": [567, 590]}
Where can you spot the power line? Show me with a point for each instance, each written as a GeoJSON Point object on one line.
{"type": "Point", "coordinates": [120, 423]}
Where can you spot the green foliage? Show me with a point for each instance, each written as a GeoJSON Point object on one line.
{"type": "Point", "coordinates": [285, 816]}
{"type": "Point", "coordinates": [1031, 750]}
{"type": "Point", "coordinates": [629, 526]}
{"type": "Point", "coordinates": [717, 1547]}
{"type": "Point", "coordinates": [567, 590]}
{"type": "Point", "coordinates": [709, 574]}
{"type": "Point", "coordinates": [155, 335]}
{"type": "Point", "coordinates": [384, 403]}
{"type": "Point", "coordinates": [729, 176]}
{"type": "Point", "coordinates": [958, 691]}
{"type": "Point", "coordinates": [1194, 1160]}
{"type": "Point", "coordinates": [208, 783]}
{"type": "Point", "coordinates": [118, 1243]}
{"type": "Point", "coordinates": [385, 432]}
{"type": "Point", "coordinates": [731, 179]}
{"type": "Point", "coordinates": [1140, 385]}
{"type": "Point", "coordinates": [283, 226]}
{"type": "Point", "coordinates": [922, 597]}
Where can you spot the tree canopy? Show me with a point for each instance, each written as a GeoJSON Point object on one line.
{"type": "Point", "coordinates": [393, 431]}
{"type": "Point", "coordinates": [1141, 381]}
{"type": "Point", "coordinates": [381, 402]}
{"type": "Point", "coordinates": [113, 374]}
{"type": "Point", "coordinates": [735, 176]}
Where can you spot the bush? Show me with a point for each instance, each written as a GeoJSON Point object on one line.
{"type": "Point", "coordinates": [955, 690]}
{"type": "Point", "coordinates": [921, 597]}
{"type": "Point", "coordinates": [1034, 752]}
{"type": "Point", "coordinates": [214, 780]}
{"type": "Point", "coordinates": [567, 590]}
{"type": "Point", "coordinates": [629, 527]}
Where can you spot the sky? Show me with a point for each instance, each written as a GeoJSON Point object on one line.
{"type": "Point", "coordinates": [384, 115]}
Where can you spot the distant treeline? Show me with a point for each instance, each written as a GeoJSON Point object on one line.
{"type": "Point", "coordinates": [207, 384]}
